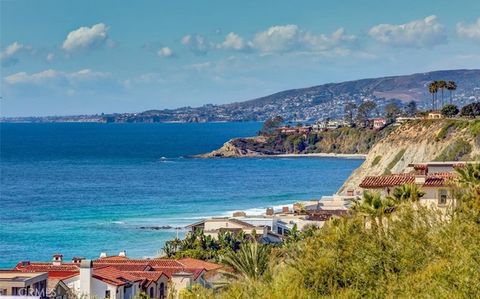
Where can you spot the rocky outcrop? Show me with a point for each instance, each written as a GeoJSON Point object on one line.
{"type": "Point", "coordinates": [416, 142]}
{"type": "Point", "coordinates": [239, 147]}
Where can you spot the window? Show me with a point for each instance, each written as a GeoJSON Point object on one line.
{"type": "Point", "coordinates": [279, 230]}
{"type": "Point", "coordinates": [442, 197]}
{"type": "Point", "coordinates": [107, 294]}
{"type": "Point", "coordinates": [151, 292]}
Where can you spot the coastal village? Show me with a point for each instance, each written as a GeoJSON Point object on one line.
{"type": "Point", "coordinates": [174, 273]}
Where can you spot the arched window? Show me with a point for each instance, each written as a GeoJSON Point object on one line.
{"type": "Point", "coordinates": [162, 290]}
{"type": "Point", "coordinates": [151, 292]}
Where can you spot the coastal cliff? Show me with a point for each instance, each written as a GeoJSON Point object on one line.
{"type": "Point", "coordinates": [419, 141]}
{"type": "Point", "coordinates": [343, 141]}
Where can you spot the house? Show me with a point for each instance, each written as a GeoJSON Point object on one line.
{"type": "Point", "coordinates": [433, 178]}
{"type": "Point", "coordinates": [17, 283]}
{"type": "Point", "coordinates": [214, 226]}
{"type": "Point", "coordinates": [435, 115]}
{"type": "Point", "coordinates": [119, 277]}
{"type": "Point", "coordinates": [379, 123]}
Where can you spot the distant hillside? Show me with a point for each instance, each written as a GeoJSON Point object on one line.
{"type": "Point", "coordinates": [312, 103]}
{"type": "Point", "coordinates": [327, 100]}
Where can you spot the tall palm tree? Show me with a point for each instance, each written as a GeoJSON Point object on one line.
{"type": "Point", "coordinates": [433, 89]}
{"type": "Point", "coordinates": [441, 85]}
{"type": "Point", "coordinates": [250, 262]}
{"type": "Point", "coordinates": [407, 193]}
{"type": "Point", "coordinates": [451, 86]}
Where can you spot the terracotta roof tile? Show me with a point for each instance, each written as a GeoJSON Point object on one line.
{"type": "Point", "coordinates": [194, 263]}
{"type": "Point", "coordinates": [46, 267]}
{"type": "Point", "coordinates": [431, 180]}
{"type": "Point", "coordinates": [113, 276]}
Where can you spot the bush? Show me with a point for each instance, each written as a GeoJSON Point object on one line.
{"type": "Point", "coordinates": [449, 110]}
{"type": "Point", "coordinates": [456, 151]}
{"type": "Point", "coordinates": [471, 110]}
{"type": "Point", "coordinates": [376, 160]}
{"type": "Point", "coordinates": [394, 161]}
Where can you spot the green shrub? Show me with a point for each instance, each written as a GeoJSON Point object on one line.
{"type": "Point", "coordinates": [394, 161]}
{"type": "Point", "coordinates": [376, 160]}
{"type": "Point", "coordinates": [458, 150]}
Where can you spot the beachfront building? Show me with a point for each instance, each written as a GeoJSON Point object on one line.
{"type": "Point", "coordinates": [433, 178]}
{"type": "Point", "coordinates": [119, 277]}
{"type": "Point", "coordinates": [17, 283]}
{"type": "Point", "coordinates": [273, 225]}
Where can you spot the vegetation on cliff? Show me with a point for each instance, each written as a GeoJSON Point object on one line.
{"type": "Point", "coordinates": [344, 140]}
{"type": "Point", "coordinates": [412, 252]}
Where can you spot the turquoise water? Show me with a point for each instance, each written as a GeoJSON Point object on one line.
{"type": "Point", "coordinates": [80, 189]}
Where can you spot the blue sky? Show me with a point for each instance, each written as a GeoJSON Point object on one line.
{"type": "Point", "coordinates": [74, 57]}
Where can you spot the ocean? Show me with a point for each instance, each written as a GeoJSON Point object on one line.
{"type": "Point", "coordinates": [84, 188]}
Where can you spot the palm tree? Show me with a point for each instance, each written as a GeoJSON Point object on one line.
{"type": "Point", "coordinates": [407, 193]}
{"type": "Point", "coordinates": [468, 178]}
{"type": "Point", "coordinates": [374, 207]}
{"type": "Point", "coordinates": [433, 89]}
{"type": "Point", "coordinates": [451, 86]}
{"type": "Point", "coordinates": [250, 262]}
{"type": "Point", "coordinates": [442, 84]}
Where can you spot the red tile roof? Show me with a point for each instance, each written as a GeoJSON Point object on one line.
{"type": "Point", "coordinates": [46, 267]}
{"type": "Point", "coordinates": [118, 270]}
{"type": "Point", "coordinates": [431, 180]}
{"type": "Point", "coordinates": [194, 263]}
{"type": "Point", "coordinates": [113, 276]}
{"type": "Point", "coordinates": [387, 180]}
{"type": "Point", "coordinates": [60, 275]}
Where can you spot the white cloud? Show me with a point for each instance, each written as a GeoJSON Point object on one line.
{"type": "Point", "coordinates": [50, 57]}
{"type": "Point", "coordinates": [165, 52]}
{"type": "Point", "coordinates": [233, 41]}
{"type": "Point", "coordinates": [324, 42]}
{"type": "Point", "coordinates": [471, 31]}
{"type": "Point", "coordinates": [424, 33]}
{"type": "Point", "coordinates": [292, 38]}
{"type": "Point", "coordinates": [276, 38]}
{"type": "Point", "coordinates": [196, 43]}
{"type": "Point", "coordinates": [86, 37]}
{"type": "Point", "coordinates": [51, 75]}
{"type": "Point", "coordinates": [8, 56]}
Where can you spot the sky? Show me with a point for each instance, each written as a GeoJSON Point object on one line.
{"type": "Point", "coordinates": [86, 57]}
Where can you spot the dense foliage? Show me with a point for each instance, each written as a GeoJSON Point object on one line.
{"type": "Point", "coordinates": [388, 248]}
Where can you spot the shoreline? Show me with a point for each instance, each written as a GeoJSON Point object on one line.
{"type": "Point", "coordinates": [334, 155]}
{"type": "Point", "coordinates": [308, 155]}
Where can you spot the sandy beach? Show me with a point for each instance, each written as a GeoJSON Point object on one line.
{"type": "Point", "coordinates": [334, 155]}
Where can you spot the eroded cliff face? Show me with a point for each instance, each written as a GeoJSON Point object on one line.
{"type": "Point", "coordinates": [416, 142]}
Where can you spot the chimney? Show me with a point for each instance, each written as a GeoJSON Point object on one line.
{"type": "Point", "coordinates": [77, 259]}
{"type": "Point", "coordinates": [103, 254]}
{"type": "Point", "coordinates": [285, 209]}
{"type": "Point", "coordinates": [57, 259]}
{"type": "Point", "coordinates": [420, 179]}
{"type": "Point", "coordinates": [269, 212]}
{"type": "Point", "coordinates": [86, 270]}
{"type": "Point", "coordinates": [122, 253]}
